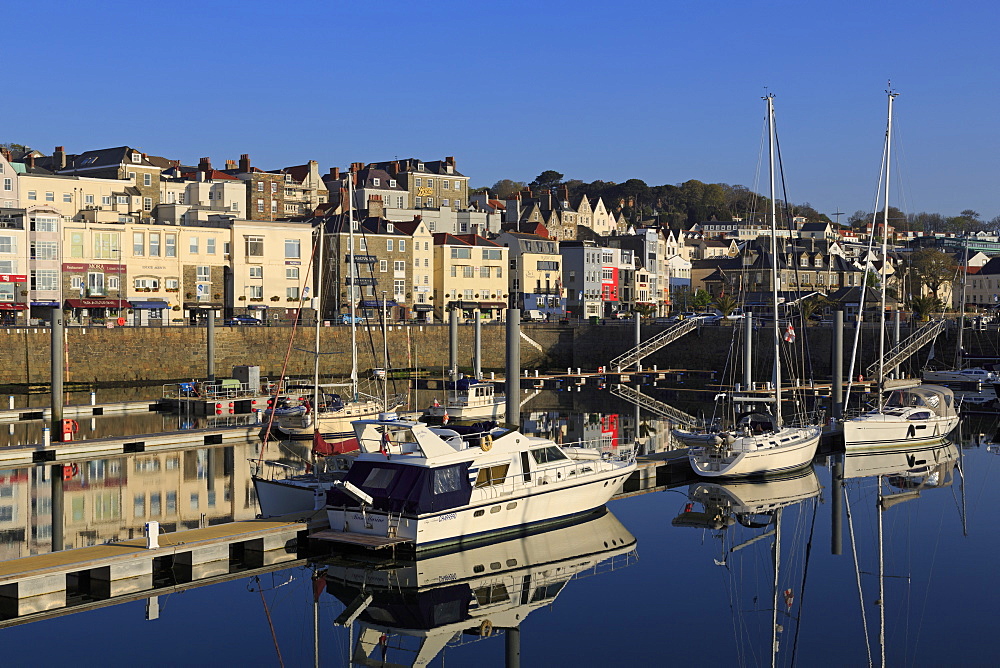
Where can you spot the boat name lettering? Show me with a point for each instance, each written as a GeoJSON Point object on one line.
{"type": "Point", "coordinates": [370, 518]}
{"type": "Point", "coordinates": [448, 578]}
{"type": "Point", "coordinates": [449, 516]}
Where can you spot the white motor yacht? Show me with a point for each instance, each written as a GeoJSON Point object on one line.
{"type": "Point", "coordinates": [434, 486]}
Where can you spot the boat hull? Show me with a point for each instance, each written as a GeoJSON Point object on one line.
{"type": "Point", "coordinates": [757, 455]}
{"type": "Point", "coordinates": [331, 425]}
{"type": "Point", "coordinates": [490, 513]}
{"type": "Point", "coordinates": [879, 430]}
{"type": "Point", "coordinates": [284, 497]}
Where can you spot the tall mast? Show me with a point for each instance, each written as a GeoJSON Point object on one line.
{"type": "Point", "coordinates": [885, 246]}
{"type": "Point", "coordinates": [961, 315]}
{"type": "Point", "coordinates": [318, 265]}
{"type": "Point", "coordinates": [769, 98]}
{"type": "Point", "coordinates": [352, 273]}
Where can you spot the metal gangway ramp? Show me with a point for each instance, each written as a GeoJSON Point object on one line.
{"type": "Point", "coordinates": [908, 347]}
{"type": "Point", "coordinates": [650, 346]}
{"type": "Point", "coordinates": [654, 406]}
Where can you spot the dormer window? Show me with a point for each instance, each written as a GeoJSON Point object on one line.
{"type": "Point", "coordinates": [390, 228]}
{"type": "Point", "coordinates": [136, 158]}
{"type": "Point", "coordinates": [420, 166]}
{"type": "Point", "coordinates": [392, 183]}
{"type": "Point", "coordinates": [804, 262]}
{"type": "Point", "coordinates": [375, 182]}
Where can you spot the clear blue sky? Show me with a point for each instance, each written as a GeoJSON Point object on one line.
{"type": "Point", "coordinates": [660, 91]}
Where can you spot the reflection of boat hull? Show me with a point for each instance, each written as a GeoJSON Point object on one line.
{"type": "Point", "coordinates": [744, 497]}
{"type": "Point", "coordinates": [409, 610]}
{"type": "Point", "coordinates": [887, 461]}
{"type": "Point", "coordinates": [789, 449]}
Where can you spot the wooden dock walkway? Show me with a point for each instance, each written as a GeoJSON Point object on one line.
{"type": "Point", "coordinates": [76, 451]}
{"type": "Point", "coordinates": [48, 581]}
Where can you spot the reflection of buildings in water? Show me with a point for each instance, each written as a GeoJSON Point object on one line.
{"type": "Point", "coordinates": [407, 612]}
{"type": "Point", "coordinates": [111, 499]}
{"type": "Point", "coordinates": [607, 430]}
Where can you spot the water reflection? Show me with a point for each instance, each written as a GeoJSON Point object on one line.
{"type": "Point", "coordinates": [110, 499]}
{"type": "Point", "coordinates": [405, 613]}
{"type": "Point", "coordinates": [746, 520]}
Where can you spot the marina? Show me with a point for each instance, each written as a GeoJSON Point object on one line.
{"type": "Point", "coordinates": [255, 569]}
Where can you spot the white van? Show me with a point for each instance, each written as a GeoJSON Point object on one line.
{"type": "Point", "coordinates": [532, 315]}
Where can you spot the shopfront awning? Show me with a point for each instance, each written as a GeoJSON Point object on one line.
{"type": "Point", "coordinates": [377, 303]}
{"type": "Point", "coordinates": [150, 304]}
{"type": "Point", "coordinates": [214, 306]}
{"type": "Point", "coordinates": [98, 303]}
{"type": "Point", "coordinates": [492, 305]}
{"type": "Point", "coordinates": [423, 307]}
{"type": "Point", "coordinates": [48, 304]}
{"type": "Point", "coordinates": [7, 306]}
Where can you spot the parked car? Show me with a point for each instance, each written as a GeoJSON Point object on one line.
{"type": "Point", "coordinates": [242, 320]}
{"type": "Point", "coordinates": [347, 318]}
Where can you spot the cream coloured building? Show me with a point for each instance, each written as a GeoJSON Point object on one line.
{"type": "Point", "coordinates": [470, 273]}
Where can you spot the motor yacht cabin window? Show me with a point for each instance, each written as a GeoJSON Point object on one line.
{"type": "Point", "coordinates": [548, 455]}
{"type": "Point", "coordinates": [492, 475]}
{"type": "Point", "coordinates": [379, 478]}
{"type": "Point", "coordinates": [447, 479]}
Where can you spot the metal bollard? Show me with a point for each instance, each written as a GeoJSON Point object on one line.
{"type": "Point", "coordinates": [93, 398]}
{"type": "Point", "coordinates": [152, 535]}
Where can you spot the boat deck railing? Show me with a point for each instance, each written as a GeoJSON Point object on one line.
{"type": "Point", "coordinates": [227, 388]}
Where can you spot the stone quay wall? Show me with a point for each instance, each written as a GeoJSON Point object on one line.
{"type": "Point", "coordinates": [139, 355]}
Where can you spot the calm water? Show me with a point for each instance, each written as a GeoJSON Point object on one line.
{"type": "Point", "coordinates": [685, 575]}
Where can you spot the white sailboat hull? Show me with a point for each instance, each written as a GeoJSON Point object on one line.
{"type": "Point", "coordinates": [330, 424]}
{"type": "Point", "coordinates": [491, 511]}
{"type": "Point", "coordinates": [882, 430]}
{"type": "Point", "coordinates": [285, 497]}
{"type": "Point", "coordinates": [789, 449]}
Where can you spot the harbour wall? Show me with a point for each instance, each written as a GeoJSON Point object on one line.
{"type": "Point", "coordinates": [126, 355]}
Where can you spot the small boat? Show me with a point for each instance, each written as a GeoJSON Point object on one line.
{"type": "Point", "coordinates": [911, 415]}
{"type": "Point", "coordinates": [429, 486]}
{"type": "Point", "coordinates": [972, 375]}
{"type": "Point", "coordinates": [756, 446]}
{"type": "Point", "coordinates": [469, 398]}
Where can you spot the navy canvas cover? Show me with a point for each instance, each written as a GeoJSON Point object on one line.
{"type": "Point", "coordinates": [412, 489]}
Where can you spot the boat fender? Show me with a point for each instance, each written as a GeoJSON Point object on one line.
{"type": "Point", "coordinates": [487, 443]}
{"type": "Point", "coordinates": [486, 628]}
{"type": "Point", "coordinates": [730, 439]}
{"type": "Point", "coordinates": [716, 440]}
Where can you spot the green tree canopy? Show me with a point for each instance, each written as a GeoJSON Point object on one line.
{"type": "Point", "coordinates": [933, 268]}
{"type": "Point", "coordinates": [547, 180]}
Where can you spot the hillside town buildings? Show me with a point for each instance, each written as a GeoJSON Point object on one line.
{"type": "Point", "coordinates": [114, 235]}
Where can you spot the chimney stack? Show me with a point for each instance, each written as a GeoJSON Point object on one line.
{"type": "Point", "coordinates": [59, 158]}
{"type": "Point", "coordinates": [230, 164]}
{"type": "Point", "coordinates": [245, 163]}
{"type": "Point", "coordinates": [30, 161]}
{"type": "Point", "coordinates": [204, 165]}
{"type": "Point", "coordinates": [376, 207]}
{"type": "Point", "coordinates": [335, 171]}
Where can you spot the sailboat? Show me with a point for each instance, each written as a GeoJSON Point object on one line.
{"type": "Point", "coordinates": [760, 442]}
{"type": "Point", "coordinates": [326, 420]}
{"type": "Point", "coordinates": [907, 412]}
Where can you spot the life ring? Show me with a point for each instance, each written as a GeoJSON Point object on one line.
{"type": "Point", "coordinates": [121, 322]}
{"type": "Point", "coordinates": [486, 628]}
{"type": "Point", "coordinates": [487, 443]}
{"type": "Point", "coordinates": [74, 427]}
{"type": "Point", "coordinates": [861, 378]}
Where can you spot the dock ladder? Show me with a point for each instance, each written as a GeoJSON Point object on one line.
{"type": "Point", "coordinates": [908, 347]}
{"type": "Point", "coordinates": [650, 346]}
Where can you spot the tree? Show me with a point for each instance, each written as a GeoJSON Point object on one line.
{"type": "Point", "coordinates": [701, 299]}
{"type": "Point", "coordinates": [504, 188]}
{"type": "Point", "coordinates": [726, 305]}
{"type": "Point", "coordinates": [809, 306]}
{"type": "Point", "coordinates": [547, 180]}
{"type": "Point", "coordinates": [924, 306]}
{"type": "Point", "coordinates": [933, 267]}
